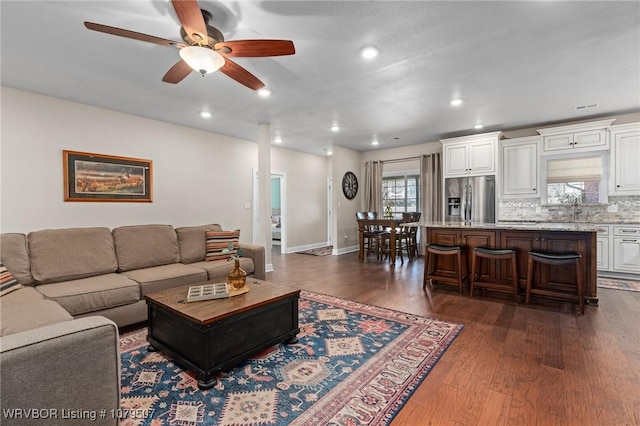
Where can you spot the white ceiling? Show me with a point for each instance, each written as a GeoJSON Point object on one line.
{"type": "Point", "coordinates": [515, 64]}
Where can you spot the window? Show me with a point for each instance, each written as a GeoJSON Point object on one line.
{"type": "Point", "coordinates": [400, 194]}
{"type": "Point", "coordinates": [575, 180]}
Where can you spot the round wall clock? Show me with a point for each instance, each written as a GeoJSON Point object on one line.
{"type": "Point", "coordinates": [349, 185]}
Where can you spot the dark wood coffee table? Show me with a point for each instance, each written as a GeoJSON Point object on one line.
{"type": "Point", "coordinates": [209, 336]}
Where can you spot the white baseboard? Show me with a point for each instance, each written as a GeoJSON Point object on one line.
{"type": "Point", "coordinates": [619, 275]}
{"type": "Point", "coordinates": [335, 251]}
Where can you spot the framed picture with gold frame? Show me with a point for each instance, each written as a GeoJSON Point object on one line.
{"type": "Point", "coordinates": [99, 177]}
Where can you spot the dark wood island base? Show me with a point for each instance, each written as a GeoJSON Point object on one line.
{"type": "Point", "coordinates": [210, 336]}
{"type": "Point", "coordinates": [579, 238]}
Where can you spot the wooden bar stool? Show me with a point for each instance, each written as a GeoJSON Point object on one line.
{"type": "Point", "coordinates": [494, 283]}
{"type": "Point", "coordinates": [551, 258]}
{"type": "Point", "coordinates": [434, 251]}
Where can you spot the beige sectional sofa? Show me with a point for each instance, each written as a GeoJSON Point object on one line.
{"type": "Point", "coordinates": [79, 286]}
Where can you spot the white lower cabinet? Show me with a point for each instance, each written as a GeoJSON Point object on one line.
{"type": "Point", "coordinates": [602, 248]}
{"type": "Point", "coordinates": [626, 249]}
{"type": "Point", "coordinates": [618, 249]}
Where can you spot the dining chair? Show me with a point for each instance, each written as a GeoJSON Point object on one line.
{"type": "Point", "coordinates": [411, 233]}
{"type": "Point", "coordinates": [371, 235]}
{"type": "Point", "coordinates": [385, 245]}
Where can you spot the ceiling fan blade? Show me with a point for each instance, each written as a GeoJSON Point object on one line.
{"type": "Point", "coordinates": [257, 48]}
{"type": "Point", "coordinates": [191, 18]}
{"type": "Point", "coordinates": [241, 75]}
{"type": "Point", "coordinates": [131, 34]}
{"type": "Point", "coordinates": [177, 73]}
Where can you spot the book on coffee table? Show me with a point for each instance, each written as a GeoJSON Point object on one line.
{"type": "Point", "coordinates": [207, 292]}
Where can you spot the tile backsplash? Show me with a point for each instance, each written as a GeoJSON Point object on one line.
{"type": "Point", "coordinates": [618, 210]}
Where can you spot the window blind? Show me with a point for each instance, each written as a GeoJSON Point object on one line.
{"type": "Point", "coordinates": [574, 169]}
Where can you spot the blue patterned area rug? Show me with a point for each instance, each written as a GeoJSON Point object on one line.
{"type": "Point", "coordinates": [354, 364]}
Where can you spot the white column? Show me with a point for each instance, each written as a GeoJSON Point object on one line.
{"type": "Point", "coordinates": [264, 191]}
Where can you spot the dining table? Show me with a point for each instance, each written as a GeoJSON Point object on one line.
{"type": "Point", "coordinates": [390, 225]}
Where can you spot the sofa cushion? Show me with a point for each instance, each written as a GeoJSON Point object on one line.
{"type": "Point", "coordinates": [69, 254]}
{"type": "Point", "coordinates": [145, 246]}
{"type": "Point", "coordinates": [22, 295]}
{"type": "Point", "coordinates": [222, 244]}
{"type": "Point", "coordinates": [14, 255]}
{"type": "Point", "coordinates": [159, 278]}
{"type": "Point", "coordinates": [93, 293]}
{"type": "Point", "coordinates": [219, 269]}
{"type": "Point", "coordinates": [27, 316]}
{"type": "Point", "coordinates": [192, 242]}
{"type": "Point", "coordinates": [8, 282]}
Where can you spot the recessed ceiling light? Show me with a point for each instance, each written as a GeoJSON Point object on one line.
{"type": "Point", "coordinates": [456, 102]}
{"type": "Point", "coordinates": [205, 114]}
{"type": "Point", "coordinates": [374, 143]}
{"type": "Point", "coordinates": [335, 128]}
{"type": "Point", "coordinates": [329, 152]}
{"type": "Point", "coordinates": [264, 92]}
{"type": "Point", "coordinates": [478, 126]}
{"type": "Point", "coordinates": [369, 52]}
{"type": "Point", "coordinates": [278, 140]}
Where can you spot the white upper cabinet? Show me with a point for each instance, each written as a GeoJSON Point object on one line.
{"type": "Point", "coordinates": [474, 155]}
{"type": "Point", "coordinates": [625, 159]}
{"type": "Point", "coordinates": [519, 167]}
{"type": "Point", "coordinates": [590, 136]}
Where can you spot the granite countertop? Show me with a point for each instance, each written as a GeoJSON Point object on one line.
{"type": "Point", "coordinates": [527, 226]}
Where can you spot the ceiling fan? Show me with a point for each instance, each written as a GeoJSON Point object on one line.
{"type": "Point", "coordinates": [204, 48]}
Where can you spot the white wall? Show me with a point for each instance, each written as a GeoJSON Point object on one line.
{"type": "Point", "coordinates": [198, 177]}
{"type": "Point", "coordinates": [344, 217]}
{"type": "Point", "coordinates": [306, 178]}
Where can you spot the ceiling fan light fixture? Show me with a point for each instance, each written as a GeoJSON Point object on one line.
{"type": "Point", "coordinates": [202, 59]}
{"type": "Point", "coordinates": [369, 52]}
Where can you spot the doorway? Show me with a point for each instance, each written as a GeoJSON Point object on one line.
{"type": "Point", "coordinates": [330, 212]}
{"type": "Point", "coordinates": [278, 211]}
{"type": "Point", "coordinates": [278, 220]}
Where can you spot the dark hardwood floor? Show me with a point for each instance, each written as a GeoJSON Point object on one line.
{"type": "Point", "coordinates": [540, 364]}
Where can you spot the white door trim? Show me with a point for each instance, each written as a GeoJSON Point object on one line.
{"type": "Point", "coordinates": [330, 212]}
{"type": "Point", "coordinates": [283, 208]}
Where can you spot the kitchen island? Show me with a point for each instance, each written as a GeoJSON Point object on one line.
{"type": "Point", "coordinates": [523, 237]}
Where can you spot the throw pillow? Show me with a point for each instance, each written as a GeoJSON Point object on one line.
{"type": "Point", "coordinates": [222, 244]}
{"type": "Point", "coordinates": [8, 283]}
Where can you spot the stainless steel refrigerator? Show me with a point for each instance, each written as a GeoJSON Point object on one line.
{"type": "Point", "coordinates": [470, 199]}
